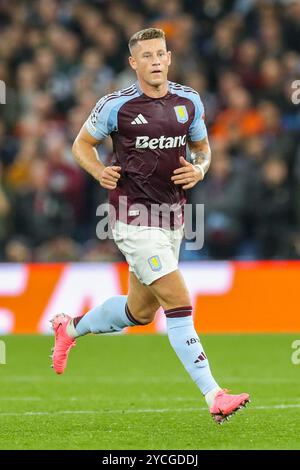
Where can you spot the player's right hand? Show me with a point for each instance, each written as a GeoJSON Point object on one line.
{"type": "Point", "coordinates": [109, 177]}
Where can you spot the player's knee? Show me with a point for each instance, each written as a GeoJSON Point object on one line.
{"type": "Point", "coordinates": [171, 291]}
{"type": "Point", "coordinates": [173, 298]}
{"type": "Point", "coordinates": [145, 316]}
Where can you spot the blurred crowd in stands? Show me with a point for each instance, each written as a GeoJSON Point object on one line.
{"type": "Point", "coordinates": [58, 57]}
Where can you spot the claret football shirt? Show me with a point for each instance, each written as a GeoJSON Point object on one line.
{"type": "Point", "coordinates": [149, 135]}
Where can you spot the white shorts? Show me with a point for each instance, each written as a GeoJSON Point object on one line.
{"type": "Point", "coordinates": [151, 252]}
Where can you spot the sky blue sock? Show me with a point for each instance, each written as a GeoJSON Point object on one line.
{"type": "Point", "coordinates": [185, 342]}
{"type": "Point", "coordinates": [112, 315]}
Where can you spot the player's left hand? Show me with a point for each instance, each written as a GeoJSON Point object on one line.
{"type": "Point", "coordinates": [187, 174]}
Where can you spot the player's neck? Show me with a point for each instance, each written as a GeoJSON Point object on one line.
{"type": "Point", "coordinates": [154, 91]}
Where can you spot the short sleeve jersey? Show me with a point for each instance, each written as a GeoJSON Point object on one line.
{"type": "Point", "coordinates": [149, 135]}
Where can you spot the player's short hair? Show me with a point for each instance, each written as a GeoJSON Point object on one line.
{"type": "Point", "coordinates": [144, 34]}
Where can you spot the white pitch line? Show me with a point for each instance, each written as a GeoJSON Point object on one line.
{"type": "Point", "coordinates": [80, 379]}
{"type": "Point", "coordinates": [38, 399]}
{"type": "Point", "coordinates": [20, 398]}
{"type": "Point", "coordinates": [276, 407]}
{"type": "Point", "coordinates": [95, 397]}
{"type": "Point", "coordinates": [149, 379]}
{"type": "Point", "coordinates": [161, 410]}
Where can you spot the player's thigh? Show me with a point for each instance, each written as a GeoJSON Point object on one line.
{"type": "Point", "coordinates": [171, 291]}
{"type": "Point", "coordinates": [141, 302]}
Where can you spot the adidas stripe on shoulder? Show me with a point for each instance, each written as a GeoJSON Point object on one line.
{"type": "Point", "coordinates": [129, 91]}
{"type": "Point", "coordinates": [103, 118]}
{"type": "Point", "coordinates": [177, 87]}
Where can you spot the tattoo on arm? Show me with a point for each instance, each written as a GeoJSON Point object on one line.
{"type": "Point", "coordinates": [201, 158]}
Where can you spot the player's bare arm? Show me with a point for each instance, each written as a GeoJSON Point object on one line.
{"type": "Point", "coordinates": [189, 174]}
{"type": "Point", "coordinates": [85, 153]}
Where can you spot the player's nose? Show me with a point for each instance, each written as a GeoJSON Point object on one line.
{"type": "Point", "coordinates": [156, 60]}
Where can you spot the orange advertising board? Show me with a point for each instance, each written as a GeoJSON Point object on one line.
{"type": "Point", "coordinates": [227, 296]}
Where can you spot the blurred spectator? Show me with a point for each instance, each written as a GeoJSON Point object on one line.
{"type": "Point", "coordinates": [60, 249]}
{"type": "Point", "coordinates": [239, 120]}
{"type": "Point", "coordinates": [223, 196]}
{"type": "Point", "coordinates": [40, 213]}
{"type": "Point", "coordinates": [65, 179]}
{"type": "Point", "coordinates": [272, 208]}
{"type": "Point", "coordinates": [105, 250]}
{"type": "Point", "coordinates": [5, 209]}
{"type": "Point", "coordinates": [18, 250]}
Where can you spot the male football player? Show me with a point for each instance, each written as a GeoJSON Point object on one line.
{"type": "Point", "coordinates": [150, 123]}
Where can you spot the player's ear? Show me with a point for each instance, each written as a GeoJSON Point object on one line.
{"type": "Point", "coordinates": [132, 62]}
{"type": "Point", "coordinates": [169, 57]}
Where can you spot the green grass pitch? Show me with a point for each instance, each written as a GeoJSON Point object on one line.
{"type": "Point", "coordinates": [131, 392]}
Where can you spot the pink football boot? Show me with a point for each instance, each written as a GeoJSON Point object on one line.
{"type": "Point", "coordinates": [63, 342]}
{"type": "Point", "coordinates": [226, 405]}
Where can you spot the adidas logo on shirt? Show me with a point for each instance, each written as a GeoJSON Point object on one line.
{"type": "Point", "coordinates": [139, 120]}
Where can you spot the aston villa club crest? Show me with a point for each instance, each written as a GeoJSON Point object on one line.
{"type": "Point", "coordinates": [181, 114]}
{"type": "Point", "coordinates": [155, 263]}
